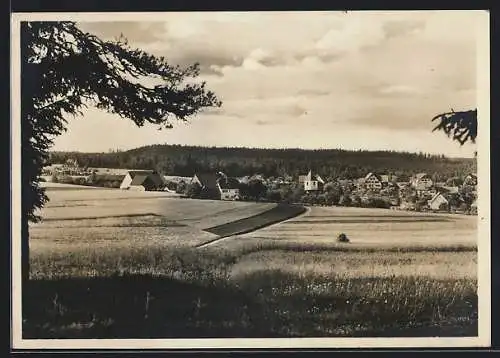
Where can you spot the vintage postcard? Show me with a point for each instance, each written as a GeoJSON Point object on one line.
{"type": "Point", "coordinates": [250, 180]}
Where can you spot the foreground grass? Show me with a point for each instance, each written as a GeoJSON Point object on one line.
{"type": "Point", "coordinates": [138, 292]}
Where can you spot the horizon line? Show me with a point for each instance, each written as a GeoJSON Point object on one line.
{"type": "Point", "coordinates": [119, 150]}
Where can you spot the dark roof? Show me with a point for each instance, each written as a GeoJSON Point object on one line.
{"type": "Point", "coordinates": [156, 178]}
{"type": "Point", "coordinates": [229, 183]}
{"type": "Point", "coordinates": [140, 179]}
{"type": "Point", "coordinates": [133, 173]}
{"type": "Point", "coordinates": [207, 180]}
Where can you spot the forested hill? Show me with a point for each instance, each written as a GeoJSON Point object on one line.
{"type": "Point", "coordinates": [330, 163]}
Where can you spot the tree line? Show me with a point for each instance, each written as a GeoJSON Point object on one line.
{"type": "Point", "coordinates": [329, 163]}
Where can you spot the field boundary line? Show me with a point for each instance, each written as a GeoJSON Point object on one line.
{"type": "Point", "coordinates": [303, 210]}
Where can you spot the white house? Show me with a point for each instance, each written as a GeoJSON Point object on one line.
{"type": "Point", "coordinates": [312, 183]}
{"type": "Point", "coordinates": [229, 188]}
{"type": "Point", "coordinates": [437, 201]}
{"type": "Point", "coordinates": [421, 181]}
{"type": "Point", "coordinates": [372, 182]}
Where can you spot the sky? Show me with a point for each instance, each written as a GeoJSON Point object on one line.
{"type": "Point", "coordinates": [356, 80]}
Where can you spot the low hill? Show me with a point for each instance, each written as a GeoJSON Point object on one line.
{"type": "Point", "coordinates": [186, 160]}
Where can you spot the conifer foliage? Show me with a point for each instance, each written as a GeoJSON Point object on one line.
{"type": "Point", "coordinates": [64, 70]}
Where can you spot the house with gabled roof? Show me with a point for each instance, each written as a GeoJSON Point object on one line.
{"type": "Point", "coordinates": [131, 174]}
{"type": "Point", "coordinates": [229, 188]}
{"type": "Point", "coordinates": [209, 185]}
{"type": "Point", "coordinates": [312, 182]}
{"type": "Point", "coordinates": [143, 180]}
{"type": "Point", "coordinates": [372, 181]}
{"type": "Point", "coordinates": [421, 181]}
{"type": "Point", "coordinates": [438, 202]}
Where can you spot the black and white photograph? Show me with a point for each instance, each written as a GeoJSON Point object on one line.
{"type": "Point", "coordinates": [294, 179]}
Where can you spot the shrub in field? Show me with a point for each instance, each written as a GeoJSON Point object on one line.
{"type": "Point", "coordinates": [342, 238]}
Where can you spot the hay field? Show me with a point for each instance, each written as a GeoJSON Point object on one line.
{"type": "Point", "coordinates": [96, 218]}
{"type": "Point", "coordinates": [366, 228]}
{"type": "Point", "coordinates": [103, 252]}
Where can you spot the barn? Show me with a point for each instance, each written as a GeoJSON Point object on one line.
{"type": "Point", "coordinates": [142, 180]}
{"type": "Point", "coordinates": [209, 185]}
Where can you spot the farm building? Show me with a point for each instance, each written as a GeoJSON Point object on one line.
{"type": "Point", "coordinates": [229, 188]}
{"type": "Point", "coordinates": [209, 186]}
{"type": "Point", "coordinates": [70, 167]}
{"type": "Point", "coordinates": [372, 181]}
{"type": "Point", "coordinates": [311, 182]}
{"type": "Point", "coordinates": [421, 181]}
{"type": "Point", "coordinates": [438, 202]}
{"type": "Point", "coordinates": [143, 180]}
{"type": "Point", "coordinates": [131, 174]}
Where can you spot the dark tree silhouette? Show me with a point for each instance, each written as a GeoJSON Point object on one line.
{"type": "Point", "coordinates": [65, 70]}
{"type": "Point", "coordinates": [460, 126]}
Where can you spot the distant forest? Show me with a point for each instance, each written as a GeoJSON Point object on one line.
{"type": "Point", "coordinates": [329, 163]}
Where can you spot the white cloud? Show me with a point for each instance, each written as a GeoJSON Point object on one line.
{"type": "Point", "coordinates": [352, 35]}
{"type": "Point", "coordinates": [366, 70]}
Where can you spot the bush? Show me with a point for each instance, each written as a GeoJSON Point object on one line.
{"type": "Point", "coordinates": [193, 190]}
{"type": "Point", "coordinates": [342, 238]}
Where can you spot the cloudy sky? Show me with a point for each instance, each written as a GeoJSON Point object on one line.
{"type": "Point", "coordinates": [361, 80]}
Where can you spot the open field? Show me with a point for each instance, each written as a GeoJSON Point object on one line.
{"type": "Point", "coordinates": [367, 228]}
{"type": "Point", "coordinates": [278, 293]}
{"type": "Point", "coordinates": [104, 252]}
{"type": "Point", "coordinates": [101, 217]}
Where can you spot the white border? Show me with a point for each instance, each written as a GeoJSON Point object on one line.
{"type": "Point", "coordinates": [484, 234]}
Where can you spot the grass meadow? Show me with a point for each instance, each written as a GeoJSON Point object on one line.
{"type": "Point", "coordinates": [140, 274]}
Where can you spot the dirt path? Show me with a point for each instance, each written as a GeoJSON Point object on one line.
{"type": "Point", "coordinates": [279, 213]}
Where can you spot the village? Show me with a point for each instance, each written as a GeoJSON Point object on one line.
{"type": "Point", "coordinates": [418, 193]}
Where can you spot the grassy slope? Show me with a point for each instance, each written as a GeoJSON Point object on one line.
{"type": "Point", "coordinates": [281, 282]}
{"type": "Point", "coordinates": [213, 293]}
